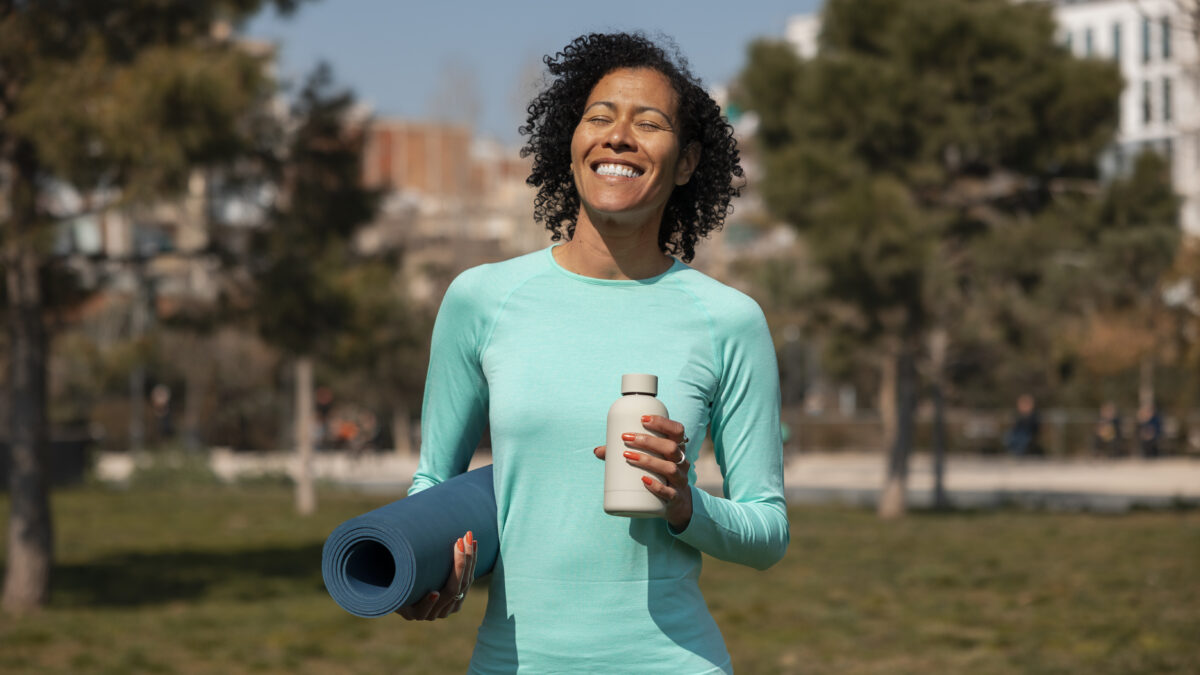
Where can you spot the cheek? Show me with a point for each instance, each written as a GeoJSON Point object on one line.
{"type": "Point", "coordinates": [578, 148]}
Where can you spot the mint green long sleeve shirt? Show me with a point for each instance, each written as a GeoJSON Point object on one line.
{"type": "Point", "coordinates": [536, 353]}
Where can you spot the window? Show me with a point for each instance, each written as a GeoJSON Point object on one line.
{"type": "Point", "coordinates": [1087, 42]}
{"type": "Point", "coordinates": [1147, 108]}
{"type": "Point", "coordinates": [1166, 99]}
{"type": "Point", "coordinates": [1166, 38]}
{"type": "Point", "coordinates": [1146, 40]}
{"type": "Point", "coordinates": [1116, 35]}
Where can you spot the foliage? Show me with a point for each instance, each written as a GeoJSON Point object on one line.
{"type": "Point", "coordinates": [381, 357]}
{"type": "Point", "coordinates": [939, 157]}
{"type": "Point", "coordinates": [300, 305]}
{"type": "Point", "coordinates": [107, 98]}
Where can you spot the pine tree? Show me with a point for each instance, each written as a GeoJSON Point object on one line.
{"type": "Point", "coordinates": [918, 129]}
{"type": "Point", "coordinates": [303, 303]}
{"type": "Point", "coordinates": [122, 96]}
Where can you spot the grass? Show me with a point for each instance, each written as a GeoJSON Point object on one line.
{"type": "Point", "coordinates": [212, 579]}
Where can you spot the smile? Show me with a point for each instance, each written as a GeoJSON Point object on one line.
{"type": "Point", "coordinates": [617, 170]}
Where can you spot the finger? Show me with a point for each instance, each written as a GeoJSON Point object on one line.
{"type": "Point", "coordinates": [663, 447]}
{"type": "Point", "coordinates": [464, 574]}
{"type": "Point", "coordinates": [598, 451]}
{"type": "Point", "coordinates": [470, 576]}
{"type": "Point", "coordinates": [449, 589]}
{"type": "Point", "coordinates": [419, 611]}
{"type": "Point", "coordinates": [663, 492]}
{"type": "Point", "coordinates": [667, 427]}
{"type": "Point", "coordinates": [454, 581]}
{"type": "Point", "coordinates": [670, 471]}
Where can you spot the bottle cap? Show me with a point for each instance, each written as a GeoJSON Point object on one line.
{"type": "Point", "coordinates": [639, 383]}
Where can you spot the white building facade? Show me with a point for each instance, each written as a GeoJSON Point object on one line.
{"type": "Point", "coordinates": [1152, 42]}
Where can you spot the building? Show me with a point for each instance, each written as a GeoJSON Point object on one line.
{"type": "Point", "coordinates": [451, 201]}
{"type": "Point", "coordinates": [1153, 43]}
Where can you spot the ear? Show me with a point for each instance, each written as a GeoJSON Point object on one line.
{"type": "Point", "coordinates": [688, 160]}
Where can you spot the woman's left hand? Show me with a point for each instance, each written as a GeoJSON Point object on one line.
{"type": "Point", "coordinates": [666, 457]}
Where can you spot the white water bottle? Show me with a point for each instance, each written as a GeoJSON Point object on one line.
{"type": "Point", "coordinates": [624, 492]}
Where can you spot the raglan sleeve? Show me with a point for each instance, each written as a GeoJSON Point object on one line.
{"type": "Point", "coordinates": [749, 525]}
{"type": "Point", "coordinates": [454, 409]}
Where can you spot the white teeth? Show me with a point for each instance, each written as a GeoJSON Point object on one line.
{"type": "Point", "coordinates": [617, 170]}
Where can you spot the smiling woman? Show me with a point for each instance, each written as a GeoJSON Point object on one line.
{"type": "Point", "coordinates": [691, 118]}
{"type": "Point", "coordinates": [633, 164]}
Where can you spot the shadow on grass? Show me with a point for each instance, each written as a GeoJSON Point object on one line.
{"type": "Point", "coordinates": [136, 578]}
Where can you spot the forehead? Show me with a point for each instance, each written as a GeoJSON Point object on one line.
{"type": "Point", "coordinates": [640, 86]}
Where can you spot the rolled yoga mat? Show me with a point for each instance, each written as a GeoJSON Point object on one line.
{"type": "Point", "coordinates": [383, 560]}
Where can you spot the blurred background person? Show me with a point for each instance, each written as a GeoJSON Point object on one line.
{"type": "Point", "coordinates": [1022, 438]}
{"type": "Point", "coordinates": [1106, 440]}
{"type": "Point", "coordinates": [1149, 430]}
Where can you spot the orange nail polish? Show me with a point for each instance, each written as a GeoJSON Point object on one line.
{"type": "Point", "coordinates": [627, 437]}
{"type": "Point", "coordinates": [470, 539]}
{"type": "Point", "coordinates": [632, 455]}
{"type": "Point", "coordinates": [460, 545]}
{"type": "Point", "coordinates": [647, 480]}
{"type": "Point", "coordinates": [645, 418]}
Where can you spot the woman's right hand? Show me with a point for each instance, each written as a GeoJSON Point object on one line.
{"type": "Point", "coordinates": [443, 603]}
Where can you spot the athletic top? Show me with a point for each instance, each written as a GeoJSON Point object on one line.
{"type": "Point", "coordinates": [536, 353]}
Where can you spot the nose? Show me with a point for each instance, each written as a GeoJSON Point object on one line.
{"type": "Point", "coordinates": [620, 137]}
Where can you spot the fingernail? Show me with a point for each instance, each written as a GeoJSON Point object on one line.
{"type": "Point", "coordinates": [460, 546]}
{"type": "Point", "coordinates": [632, 455]}
{"type": "Point", "coordinates": [596, 449]}
{"type": "Point", "coordinates": [645, 418]}
{"type": "Point", "coordinates": [470, 540]}
{"type": "Point", "coordinates": [435, 595]}
{"type": "Point", "coordinates": [647, 480]}
{"type": "Point", "coordinates": [628, 437]}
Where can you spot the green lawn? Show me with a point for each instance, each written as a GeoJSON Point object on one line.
{"type": "Point", "coordinates": [223, 580]}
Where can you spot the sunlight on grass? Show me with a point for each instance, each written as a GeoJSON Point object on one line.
{"type": "Point", "coordinates": [206, 578]}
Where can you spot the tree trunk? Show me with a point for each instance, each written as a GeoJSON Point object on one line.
{"type": "Point", "coordinates": [402, 430]}
{"type": "Point", "coordinates": [887, 400]}
{"type": "Point", "coordinates": [939, 448]}
{"type": "Point", "coordinates": [893, 500]}
{"type": "Point", "coordinates": [938, 343]}
{"type": "Point", "coordinates": [30, 529]}
{"type": "Point", "coordinates": [306, 493]}
{"type": "Point", "coordinates": [195, 384]}
{"type": "Point", "coordinates": [1146, 381]}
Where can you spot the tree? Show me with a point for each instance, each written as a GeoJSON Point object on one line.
{"type": "Point", "coordinates": [382, 354]}
{"type": "Point", "coordinates": [302, 303]}
{"type": "Point", "coordinates": [125, 97]}
{"type": "Point", "coordinates": [918, 129]}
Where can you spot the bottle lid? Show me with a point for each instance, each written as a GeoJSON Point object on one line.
{"type": "Point", "coordinates": [639, 383]}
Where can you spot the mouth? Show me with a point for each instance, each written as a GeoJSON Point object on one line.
{"type": "Point", "coordinates": [616, 170]}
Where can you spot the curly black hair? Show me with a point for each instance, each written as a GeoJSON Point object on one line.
{"type": "Point", "coordinates": [694, 209]}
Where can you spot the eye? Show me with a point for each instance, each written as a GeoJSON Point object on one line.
{"type": "Point", "coordinates": [649, 126]}
{"type": "Point", "coordinates": [597, 119]}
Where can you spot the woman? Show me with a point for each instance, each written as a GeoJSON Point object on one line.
{"type": "Point", "coordinates": [633, 163]}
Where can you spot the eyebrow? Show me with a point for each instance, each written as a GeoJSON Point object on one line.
{"type": "Point", "coordinates": [638, 109]}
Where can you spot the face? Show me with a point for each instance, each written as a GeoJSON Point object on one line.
{"type": "Point", "coordinates": [625, 153]}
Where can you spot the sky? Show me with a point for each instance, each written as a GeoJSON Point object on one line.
{"type": "Point", "coordinates": [476, 61]}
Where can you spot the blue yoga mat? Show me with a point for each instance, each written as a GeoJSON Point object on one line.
{"type": "Point", "coordinates": [383, 560]}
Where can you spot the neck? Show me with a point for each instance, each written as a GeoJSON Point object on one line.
{"type": "Point", "coordinates": [610, 251]}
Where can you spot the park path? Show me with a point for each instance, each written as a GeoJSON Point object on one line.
{"type": "Point", "coordinates": [815, 477]}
